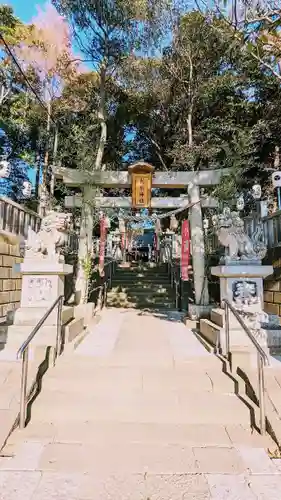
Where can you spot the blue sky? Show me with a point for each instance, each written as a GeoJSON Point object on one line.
{"type": "Point", "coordinates": [25, 9]}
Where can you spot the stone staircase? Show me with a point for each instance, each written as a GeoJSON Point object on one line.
{"type": "Point", "coordinates": [139, 411]}
{"type": "Point", "coordinates": [41, 357]}
{"type": "Point", "coordinates": [141, 286]}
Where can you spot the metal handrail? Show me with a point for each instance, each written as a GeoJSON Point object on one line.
{"type": "Point", "coordinates": [261, 355]}
{"type": "Point", "coordinates": [175, 283]}
{"type": "Point", "coordinates": [107, 280]}
{"type": "Point", "coordinates": [23, 353]}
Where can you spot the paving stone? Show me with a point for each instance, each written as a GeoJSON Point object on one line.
{"type": "Point", "coordinates": [54, 486]}
{"type": "Point", "coordinates": [229, 487]}
{"type": "Point", "coordinates": [266, 487]}
{"type": "Point", "coordinates": [27, 457]}
{"type": "Point", "coordinates": [18, 485]}
{"type": "Point", "coordinates": [241, 436]}
{"type": "Point", "coordinates": [177, 487]}
{"type": "Point", "coordinates": [114, 487]}
{"type": "Point", "coordinates": [257, 460]}
{"type": "Point", "coordinates": [132, 458]}
{"type": "Point", "coordinates": [218, 460]}
{"type": "Point", "coordinates": [146, 433]}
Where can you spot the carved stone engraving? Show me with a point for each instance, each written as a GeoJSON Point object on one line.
{"type": "Point", "coordinates": [39, 289]}
{"type": "Point", "coordinates": [244, 292]}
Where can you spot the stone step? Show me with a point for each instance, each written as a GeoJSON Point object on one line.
{"type": "Point", "coordinates": [210, 331]}
{"type": "Point", "coordinates": [142, 287]}
{"type": "Point", "coordinates": [150, 383]}
{"type": "Point", "coordinates": [46, 336]}
{"type": "Point", "coordinates": [140, 274]}
{"type": "Point", "coordinates": [152, 291]}
{"type": "Point", "coordinates": [142, 298]}
{"type": "Point", "coordinates": [206, 408]}
{"type": "Point", "coordinates": [73, 329]}
{"type": "Point", "coordinates": [146, 433]}
{"type": "Point", "coordinates": [217, 316]}
{"type": "Point", "coordinates": [151, 306]}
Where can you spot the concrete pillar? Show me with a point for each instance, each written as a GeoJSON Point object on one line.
{"type": "Point", "coordinates": [198, 247]}
{"type": "Point", "coordinates": [85, 242]}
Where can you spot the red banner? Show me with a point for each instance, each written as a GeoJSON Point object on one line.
{"type": "Point", "coordinates": [185, 249]}
{"type": "Point", "coordinates": [103, 230]}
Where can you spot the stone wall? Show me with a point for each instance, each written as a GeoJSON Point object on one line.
{"type": "Point", "coordinates": [10, 282]}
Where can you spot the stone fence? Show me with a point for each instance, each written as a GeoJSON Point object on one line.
{"type": "Point", "coordinates": [14, 219]}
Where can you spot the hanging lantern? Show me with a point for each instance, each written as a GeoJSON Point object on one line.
{"type": "Point", "coordinates": [256, 191]}
{"type": "Point", "coordinates": [5, 169]}
{"type": "Point", "coordinates": [27, 189]}
{"type": "Point", "coordinates": [122, 226]}
{"type": "Point", "coordinates": [206, 223]}
{"type": "Point", "coordinates": [107, 223]}
{"type": "Point", "coordinates": [240, 203]}
{"type": "Point", "coordinates": [158, 226]}
{"type": "Point", "coordinates": [173, 223]}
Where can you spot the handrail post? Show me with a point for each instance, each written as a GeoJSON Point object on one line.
{"type": "Point", "coordinates": [59, 331]}
{"type": "Point", "coordinates": [23, 391]}
{"type": "Point", "coordinates": [110, 274]}
{"type": "Point", "coordinates": [261, 394]}
{"type": "Point", "coordinates": [105, 294]}
{"type": "Point", "coordinates": [227, 339]}
{"type": "Point", "coordinates": [177, 295]}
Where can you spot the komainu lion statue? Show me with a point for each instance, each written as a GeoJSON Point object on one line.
{"type": "Point", "coordinates": [239, 246]}
{"type": "Point", "coordinates": [52, 237]}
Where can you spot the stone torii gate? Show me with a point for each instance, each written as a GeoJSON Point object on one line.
{"type": "Point", "coordinates": [91, 182]}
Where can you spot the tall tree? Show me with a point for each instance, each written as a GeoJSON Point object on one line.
{"type": "Point", "coordinates": [47, 50]}
{"type": "Point", "coordinates": [107, 32]}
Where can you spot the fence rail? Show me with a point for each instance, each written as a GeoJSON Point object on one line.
{"type": "Point", "coordinates": [16, 219]}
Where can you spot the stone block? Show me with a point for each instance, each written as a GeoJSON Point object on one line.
{"type": "Point", "coordinates": [4, 297]}
{"type": "Point", "coordinates": [4, 248]}
{"type": "Point", "coordinates": [8, 261]}
{"type": "Point", "coordinates": [268, 296]}
{"type": "Point", "coordinates": [9, 285]}
{"type": "Point", "coordinates": [18, 284]}
{"type": "Point", "coordinates": [271, 308]}
{"type": "Point", "coordinates": [74, 328]}
{"type": "Point", "coordinates": [4, 272]}
{"type": "Point", "coordinates": [272, 286]}
{"type": "Point", "coordinates": [276, 298]}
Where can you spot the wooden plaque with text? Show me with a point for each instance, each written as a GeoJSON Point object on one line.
{"type": "Point", "coordinates": [141, 177]}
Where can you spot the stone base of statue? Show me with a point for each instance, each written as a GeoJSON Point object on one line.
{"type": "Point", "coordinates": [42, 284]}
{"type": "Point", "coordinates": [242, 285]}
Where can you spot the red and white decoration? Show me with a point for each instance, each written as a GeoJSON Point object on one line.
{"type": "Point", "coordinates": [185, 250]}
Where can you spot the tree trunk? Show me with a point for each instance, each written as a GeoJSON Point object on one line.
{"type": "Point", "coordinates": [102, 119]}
{"type": "Point", "coordinates": [37, 177]}
{"type": "Point", "coordinates": [44, 189]}
{"type": "Point", "coordinates": [190, 103]}
{"type": "Point", "coordinates": [55, 150]}
{"type": "Point", "coordinates": [276, 157]}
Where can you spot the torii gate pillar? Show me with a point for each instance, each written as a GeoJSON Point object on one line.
{"type": "Point", "coordinates": [198, 253]}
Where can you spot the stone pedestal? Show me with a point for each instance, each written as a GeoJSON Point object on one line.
{"type": "Point", "coordinates": [242, 285]}
{"type": "Point", "coordinates": [42, 284]}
